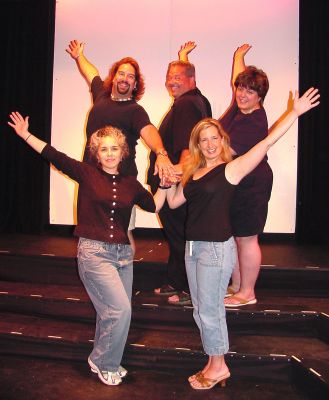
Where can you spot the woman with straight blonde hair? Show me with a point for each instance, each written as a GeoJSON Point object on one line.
{"type": "Point", "coordinates": [196, 159]}
{"type": "Point", "coordinates": [208, 184]}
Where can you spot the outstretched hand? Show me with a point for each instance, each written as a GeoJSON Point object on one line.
{"type": "Point", "coordinates": [309, 100]}
{"type": "Point", "coordinates": [242, 50]}
{"type": "Point", "coordinates": [19, 124]}
{"type": "Point", "coordinates": [75, 49]}
{"type": "Point", "coordinates": [185, 49]}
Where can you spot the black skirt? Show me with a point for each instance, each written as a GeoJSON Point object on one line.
{"type": "Point", "coordinates": [250, 202]}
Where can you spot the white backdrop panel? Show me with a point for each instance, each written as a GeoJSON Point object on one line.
{"type": "Point", "coordinates": [152, 31]}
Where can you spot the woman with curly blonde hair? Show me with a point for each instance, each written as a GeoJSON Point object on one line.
{"type": "Point", "coordinates": [105, 257]}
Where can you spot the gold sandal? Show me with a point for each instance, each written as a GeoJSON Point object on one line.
{"type": "Point", "coordinates": [192, 377]}
{"type": "Point", "coordinates": [207, 383]}
{"type": "Point", "coordinates": [229, 292]}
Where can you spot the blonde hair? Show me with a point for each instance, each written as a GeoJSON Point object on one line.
{"type": "Point", "coordinates": [196, 159]}
{"type": "Point", "coordinates": [112, 132]}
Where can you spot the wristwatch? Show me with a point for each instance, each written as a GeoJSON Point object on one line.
{"type": "Point", "coordinates": [162, 152]}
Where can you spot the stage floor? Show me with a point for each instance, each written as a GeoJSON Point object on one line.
{"type": "Point", "coordinates": [42, 297]}
{"type": "Point", "coordinates": [279, 253]}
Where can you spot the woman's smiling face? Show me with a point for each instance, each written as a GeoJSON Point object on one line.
{"type": "Point", "coordinates": [109, 154]}
{"type": "Point", "coordinates": [247, 99]}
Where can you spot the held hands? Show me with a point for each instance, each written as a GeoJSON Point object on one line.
{"type": "Point", "coordinates": [169, 176]}
{"type": "Point", "coordinates": [242, 50]}
{"type": "Point", "coordinates": [166, 182]}
{"type": "Point", "coordinates": [75, 49]}
{"type": "Point", "coordinates": [19, 124]}
{"type": "Point", "coordinates": [309, 100]}
{"type": "Point", "coordinates": [165, 169]}
{"type": "Point", "coordinates": [174, 177]}
{"type": "Point", "coordinates": [185, 49]}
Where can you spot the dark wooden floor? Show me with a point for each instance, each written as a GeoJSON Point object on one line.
{"type": "Point", "coordinates": [281, 253]}
{"type": "Point", "coordinates": [38, 282]}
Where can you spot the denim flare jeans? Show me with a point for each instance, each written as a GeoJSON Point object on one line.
{"type": "Point", "coordinates": [106, 271]}
{"type": "Point", "coordinates": [209, 266]}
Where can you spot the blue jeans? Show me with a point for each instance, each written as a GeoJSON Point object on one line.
{"type": "Point", "coordinates": [209, 266]}
{"type": "Point", "coordinates": [106, 271]}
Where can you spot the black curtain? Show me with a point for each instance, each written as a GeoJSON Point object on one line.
{"type": "Point", "coordinates": [27, 44]}
{"type": "Point", "coordinates": [313, 145]}
{"type": "Point", "coordinates": [27, 48]}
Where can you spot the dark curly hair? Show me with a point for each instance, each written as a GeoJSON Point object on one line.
{"type": "Point", "coordinates": [254, 79]}
{"type": "Point", "coordinates": [140, 84]}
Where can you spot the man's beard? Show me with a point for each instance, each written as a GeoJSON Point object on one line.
{"type": "Point", "coordinates": [123, 90]}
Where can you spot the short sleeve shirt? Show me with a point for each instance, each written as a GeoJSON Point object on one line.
{"type": "Point", "coordinates": [128, 116]}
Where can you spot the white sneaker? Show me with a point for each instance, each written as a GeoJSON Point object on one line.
{"type": "Point", "coordinates": [107, 377]}
{"type": "Point", "coordinates": [122, 372]}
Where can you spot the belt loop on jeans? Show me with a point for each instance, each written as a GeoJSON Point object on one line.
{"type": "Point", "coordinates": [191, 247]}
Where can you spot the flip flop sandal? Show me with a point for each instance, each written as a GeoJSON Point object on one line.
{"type": "Point", "coordinates": [166, 290]}
{"type": "Point", "coordinates": [229, 292]}
{"type": "Point", "coordinates": [240, 302]}
{"type": "Point", "coordinates": [184, 299]}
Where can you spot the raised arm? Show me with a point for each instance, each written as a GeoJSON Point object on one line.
{"type": "Point", "coordinates": [21, 127]}
{"type": "Point", "coordinates": [238, 62]}
{"type": "Point", "coordinates": [243, 165]}
{"type": "Point", "coordinates": [185, 49]}
{"type": "Point", "coordinates": [87, 70]}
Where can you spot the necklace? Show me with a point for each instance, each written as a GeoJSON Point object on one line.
{"type": "Point", "coordinates": [119, 98]}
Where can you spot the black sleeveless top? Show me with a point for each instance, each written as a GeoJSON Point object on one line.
{"type": "Point", "coordinates": [208, 204]}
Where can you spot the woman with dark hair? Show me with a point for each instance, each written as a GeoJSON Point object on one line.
{"type": "Point", "coordinates": [208, 184]}
{"type": "Point", "coordinates": [105, 257]}
{"type": "Point", "coordinates": [246, 123]}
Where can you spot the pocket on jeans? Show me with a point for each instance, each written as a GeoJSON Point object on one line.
{"type": "Point", "coordinates": [216, 252]}
{"type": "Point", "coordinates": [87, 249]}
{"type": "Point", "coordinates": [232, 254]}
{"type": "Point", "coordinates": [129, 252]}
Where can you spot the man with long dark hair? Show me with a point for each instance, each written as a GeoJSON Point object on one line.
{"type": "Point", "coordinates": [115, 103]}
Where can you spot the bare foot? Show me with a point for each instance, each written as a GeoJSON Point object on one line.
{"type": "Point", "coordinates": [216, 374]}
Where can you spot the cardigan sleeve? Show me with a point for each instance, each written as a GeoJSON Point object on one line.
{"type": "Point", "coordinates": [144, 198]}
{"type": "Point", "coordinates": [69, 166]}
